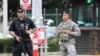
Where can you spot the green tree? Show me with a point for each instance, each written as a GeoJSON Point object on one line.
{"type": "Point", "coordinates": [89, 1]}
{"type": "Point", "coordinates": [12, 6]}
{"type": "Point", "coordinates": [49, 4]}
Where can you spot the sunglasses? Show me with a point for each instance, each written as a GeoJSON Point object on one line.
{"type": "Point", "coordinates": [20, 11]}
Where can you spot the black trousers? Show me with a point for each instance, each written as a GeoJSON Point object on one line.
{"type": "Point", "coordinates": [18, 49]}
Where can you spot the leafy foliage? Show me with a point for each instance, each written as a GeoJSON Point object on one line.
{"type": "Point", "coordinates": [53, 45]}
{"type": "Point", "coordinates": [5, 45]}
{"type": "Point", "coordinates": [52, 4]}
{"type": "Point", "coordinates": [12, 6]}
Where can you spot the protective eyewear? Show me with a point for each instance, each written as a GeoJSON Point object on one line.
{"type": "Point", "coordinates": [20, 11]}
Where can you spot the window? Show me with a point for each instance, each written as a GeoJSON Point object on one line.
{"type": "Point", "coordinates": [84, 16]}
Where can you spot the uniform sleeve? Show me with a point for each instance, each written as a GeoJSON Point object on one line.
{"type": "Point", "coordinates": [76, 31]}
{"type": "Point", "coordinates": [32, 25]}
{"type": "Point", "coordinates": [12, 26]}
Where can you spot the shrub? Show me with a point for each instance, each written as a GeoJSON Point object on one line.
{"type": "Point", "coordinates": [5, 45]}
{"type": "Point", "coordinates": [53, 45]}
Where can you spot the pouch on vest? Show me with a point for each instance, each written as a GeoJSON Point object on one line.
{"type": "Point", "coordinates": [63, 37]}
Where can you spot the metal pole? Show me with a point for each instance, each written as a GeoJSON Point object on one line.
{"type": "Point", "coordinates": [41, 50]}
{"type": "Point", "coordinates": [5, 18]}
{"type": "Point", "coordinates": [25, 13]}
{"type": "Point", "coordinates": [44, 13]}
{"type": "Point", "coordinates": [37, 15]}
{"type": "Point", "coordinates": [33, 9]}
{"type": "Point", "coordinates": [46, 45]}
{"type": "Point", "coordinates": [56, 16]}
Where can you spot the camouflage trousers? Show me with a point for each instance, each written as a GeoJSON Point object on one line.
{"type": "Point", "coordinates": [67, 49]}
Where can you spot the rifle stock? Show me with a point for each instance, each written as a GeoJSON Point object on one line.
{"type": "Point", "coordinates": [23, 47]}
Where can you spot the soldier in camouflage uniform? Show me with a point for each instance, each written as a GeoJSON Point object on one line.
{"type": "Point", "coordinates": [66, 31]}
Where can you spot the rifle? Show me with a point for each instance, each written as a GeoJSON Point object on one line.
{"type": "Point", "coordinates": [23, 47]}
{"type": "Point", "coordinates": [22, 44]}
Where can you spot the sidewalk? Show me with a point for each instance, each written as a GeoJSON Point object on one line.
{"type": "Point", "coordinates": [49, 54]}
{"type": "Point", "coordinates": [58, 54]}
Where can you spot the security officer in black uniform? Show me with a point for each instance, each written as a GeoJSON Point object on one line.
{"type": "Point", "coordinates": [20, 29]}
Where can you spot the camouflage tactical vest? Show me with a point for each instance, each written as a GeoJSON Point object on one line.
{"type": "Point", "coordinates": [63, 37]}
